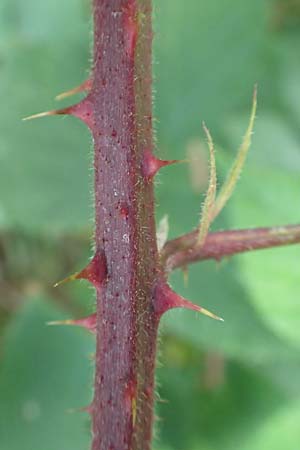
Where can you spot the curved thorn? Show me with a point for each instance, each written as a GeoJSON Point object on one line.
{"type": "Point", "coordinates": [165, 299]}
{"type": "Point", "coordinates": [95, 272]}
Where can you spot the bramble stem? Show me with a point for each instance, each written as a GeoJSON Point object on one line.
{"type": "Point", "coordinates": [121, 94]}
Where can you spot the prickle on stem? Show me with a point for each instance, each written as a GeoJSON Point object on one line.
{"type": "Point", "coordinates": [82, 110]}
{"type": "Point", "coordinates": [95, 272]}
{"type": "Point", "coordinates": [165, 299]}
{"type": "Point", "coordinates": [86, 86]}
{"type": "Point", "coordinates": [151, 165]}
{"type": "Point", "coordinates": [88, 322]}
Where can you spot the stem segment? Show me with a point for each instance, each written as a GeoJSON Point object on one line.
{"type": "Point", "coordinates": [125, 230]}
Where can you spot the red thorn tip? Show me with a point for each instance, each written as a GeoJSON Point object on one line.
{"type": "Point", "coordinates": [85, 86]}
{"type": "Point", "coordinates": [96, 271]}
{"type": "Point", "coordinates": [131, 27]}
{"type": "Point", "coordinates": [151, 164]}
{"type": "Point", "coordinates": [165, 299]}
{"type": "Point", "coordinates": [82, 110]}
{"type": "Point", "coordinates": [89, 322]}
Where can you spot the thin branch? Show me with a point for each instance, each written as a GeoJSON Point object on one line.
{"type": "Point", "coordinates": [184, 250]}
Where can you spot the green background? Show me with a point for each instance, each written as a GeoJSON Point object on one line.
{"type": "Point", "coordinates": [226, 386]}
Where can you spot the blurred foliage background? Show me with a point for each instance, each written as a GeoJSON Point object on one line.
{"type": "Point", "coordinates": [224, 386]}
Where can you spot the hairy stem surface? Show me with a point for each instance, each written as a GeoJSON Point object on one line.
{"type": "Point", "coordinates": [125, 230]}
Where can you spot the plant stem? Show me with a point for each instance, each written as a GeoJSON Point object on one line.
{"type": "Point", "coordinates": [121, 95]}
{"type": "Point", "coordinates": [184, 250]}
{"type": "Point", "coordinates": [129, 276]}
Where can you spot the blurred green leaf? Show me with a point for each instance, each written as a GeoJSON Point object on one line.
{"type": "Point", "coordinates": [271, 278]}
{"type": "Point", "coordinates": [219, 417]}
{"type": "Point", "coordinates": [44, 164]}
{"type": "Point", "coordinates": [280, 430]}
{"type": "Point", "coordinates": [44, 372]}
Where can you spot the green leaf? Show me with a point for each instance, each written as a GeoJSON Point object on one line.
{"type": "Point", "coordinates": [44, 164]}
{"type": "Point", "coordinates": [271, 277]}
{"type": "Point", "coordinates": [45, 372]}
{"type": "Point", "coordinates": [221, 411]}
{"type": "Point", "coordinates": [281, 430]}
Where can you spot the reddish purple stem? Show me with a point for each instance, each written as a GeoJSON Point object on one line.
{"type": "Point", "coordinates": [121, 95]}
{"type": "Point", "coordinates": [184, 250]}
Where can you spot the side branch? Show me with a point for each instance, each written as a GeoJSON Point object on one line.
{"type": "Point", "coordinates": [185, 250]}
